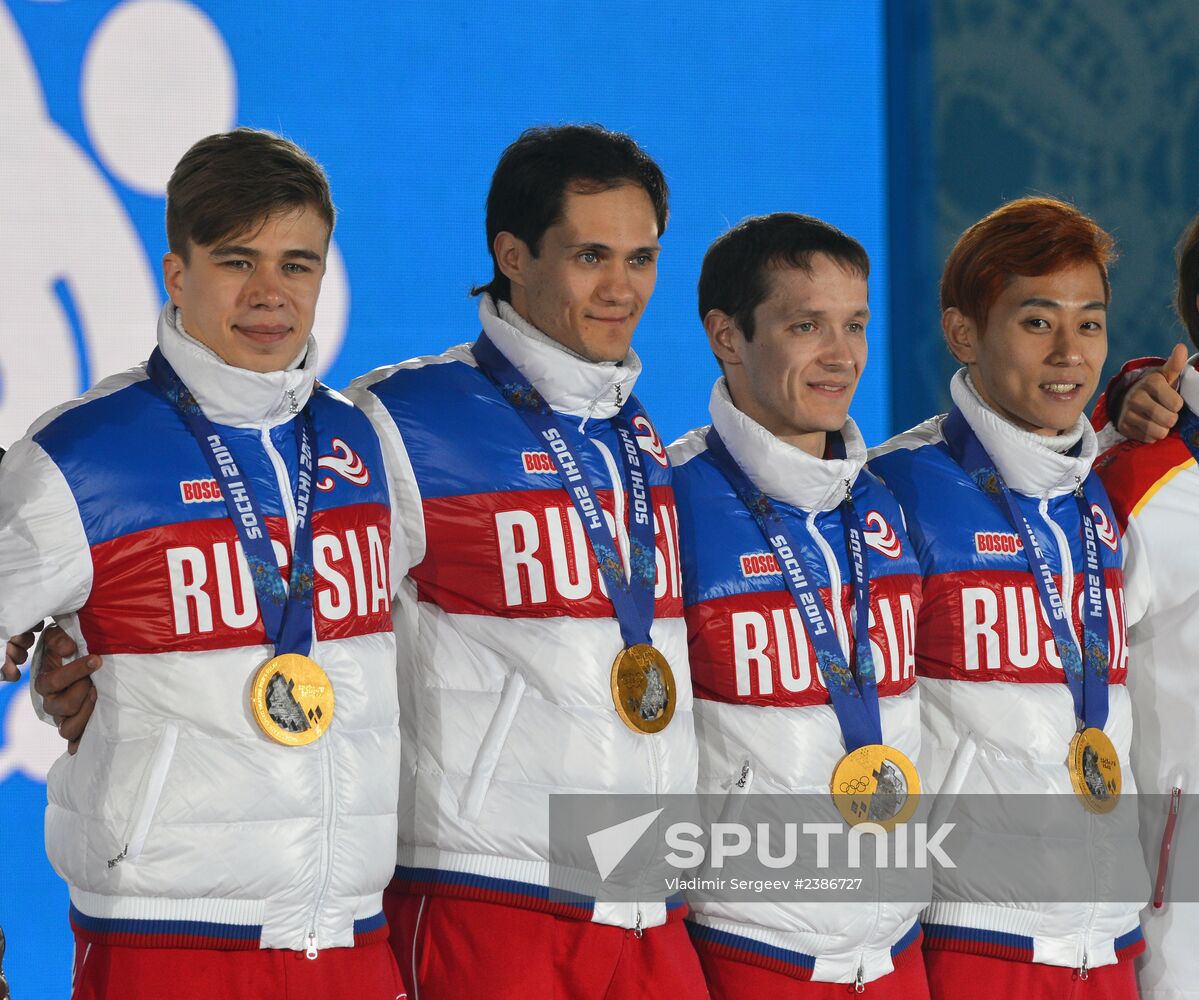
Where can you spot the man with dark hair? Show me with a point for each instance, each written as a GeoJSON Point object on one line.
{"type": "Point", "coordinates": [517, 619]}
{"type": "Point", "coordinates": [536, 173]}
{"type": "Point", "coordinates": [229, 823]}
{"type": "Point", "coordinates": [525, 605]}
{"type": "Point", "coordinates": [1019, 695]}
{"type": "Point", "coordinates": [781, 469]}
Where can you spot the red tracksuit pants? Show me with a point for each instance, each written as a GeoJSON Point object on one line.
{"type": "Point", "coordinates": [953, 975]}
{"type": "Point", "coordinates": [729, 979]}
{"type": "Point", "coordinates": [108, 972]}
{"type": "Point", "coordinates": [462, 949]}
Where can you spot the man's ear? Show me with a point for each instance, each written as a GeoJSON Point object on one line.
{"type": "Point", "coordinates": [512, 256]}
{"type": "Point", "coordinates": [723, 337]}
{"type": "Point", "coordinates": [961, 335]}
{"type": "Point", "coordinates": [172, 275]}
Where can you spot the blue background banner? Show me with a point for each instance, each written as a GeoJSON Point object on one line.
{"type": "Point", "coordinates": [408, 107]}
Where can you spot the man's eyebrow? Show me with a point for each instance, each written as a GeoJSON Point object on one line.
{"type": "Point", "coordinates": [234, 250]}
{"type": "Point", "coordinates": [311, 255]}
{"type": "Point", "coordinates": [592, 245]}
{"type": "Point", "coordinates": [821, 313]}
{"type": "Point", "coordinates": [1054, 304]}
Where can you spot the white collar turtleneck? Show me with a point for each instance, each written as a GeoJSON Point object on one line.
{"type": "Point", "coordinates": [567, 381]}
{"type": "Point", "coordinates": [1033, 464]}
{"type": "Point", "coordinates": [231, 396]}
{"type": "Point", "coordinates": [1188, 385]}
{"type": "Point", "coordinates": [781, 470]}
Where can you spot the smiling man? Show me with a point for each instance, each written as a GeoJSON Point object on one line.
{"type": "Point", "coordinates": [1010, 524]}
{"type": "Point", "coordinates": [528, 604]}
{"type": "Point", "coordinates": [781, 470]}
{"type": "Point", "coordinates": [230, 822]}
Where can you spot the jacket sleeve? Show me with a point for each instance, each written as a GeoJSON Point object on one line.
{"type": "Point", "coordinates": [45, 561]}
{"type": "Point", "coordinates": [1138, 584]}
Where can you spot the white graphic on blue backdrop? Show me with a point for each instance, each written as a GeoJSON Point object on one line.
{"type": "Point", "coordinates": [28, 746]}
{"type": "Point", "coordinates": [80, 290]}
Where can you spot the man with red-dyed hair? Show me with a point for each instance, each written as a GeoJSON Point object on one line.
{"type": "Point", "coordinates": [1019, 697]}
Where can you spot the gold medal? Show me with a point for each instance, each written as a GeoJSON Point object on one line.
{"type": "Point", "coordinates": [643, 688]}
{"type": "Point", "coordinates": [1094, 770]}
{"type": "Point", "coordinates": [875, 784]}
{"type": "Point", "coordinates": [292, 700]}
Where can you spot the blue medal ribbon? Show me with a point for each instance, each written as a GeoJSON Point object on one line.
{"type": "Point", "coordinates": [853, 693]}
{"type": "Point", "coordinates": [632, 598]}
{"type": "Point", "coordinates": [1188, 430]}
{"type": "Point", "coordinates": [286, 611]}
{"type": "Point", "coordinates": [1086, 670]}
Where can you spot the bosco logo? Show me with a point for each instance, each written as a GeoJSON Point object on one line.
{"type": "Point", "coordinates": [759, 564]}
{"type": "Point", "coordinates": [649, 441]}
{"type": "Point", "coordinates": [881, 536]}
{"type": "Point", "coordinates": [538, 463]}
{"type": "Point", "coordinates": [200, 490]}
{"type": "Point", "coordinates": [1104, 528]}
{"type": "Point", "coordinates": [1004, 543]}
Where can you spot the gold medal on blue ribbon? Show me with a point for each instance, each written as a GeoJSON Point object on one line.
{"type": "Point", "coordinates": [291, 699]}
{"type": "Point", "coordinates": [1095, 770]}
{"type": "Point", "coordinates": [643, 688]}
{"type": "Point", "coordinates": [875, 784]}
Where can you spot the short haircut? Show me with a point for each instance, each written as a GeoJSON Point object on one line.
{"type": "Point", "coordinates": [230, 182]}
{"type": "Point", "coordinates": [1027, 237]}
{"type": "Point", "coordinates": [1188, 279]}
{"type": "Point", "coordinates": [530, 183]}
{"type": "Point", "coordinates": [735, 274]}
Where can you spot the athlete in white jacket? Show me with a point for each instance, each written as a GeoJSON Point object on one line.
{"type": "Point", "coordinates": [1020, 698]}
{"type": "Point", "coordinates": [235, 800]}
{"type": "Point", "coordinates": [784, 302]}
{"type": "Point", "coordinates": [1153, 480]}
{"type": "Point", "coordinates": [507, 634]}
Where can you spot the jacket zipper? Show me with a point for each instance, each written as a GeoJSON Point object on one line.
{"type": "Point", "coordinates": [1163, 857]}
{"type": "Point", "coordinates": [1067, 591]}
{"type": "Point", "coordinates": [328, 802]}
{"type": "Point", "coordinates": [622, 543]}
{"type": "Point", "coordinates": [842, 629]}
{"type": "Point", "coordinates": [1067, 588]}
{"type": "Point", "coordinates": [156, 777]}
{"type": "Point", "coordinates": [834, 584]}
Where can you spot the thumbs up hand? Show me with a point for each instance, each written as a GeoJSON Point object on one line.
{"type": "Point", "coordinates": [1152, 405]}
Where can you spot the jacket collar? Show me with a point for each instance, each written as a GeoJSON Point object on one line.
{"type": "Point", "coordinates": [1188, 387]}
{"type": "Point", "coordinates": [567, 381]}
{"type": "Point", "coordinates": [781, 470]}
{"type": "Point", "coordinates": [230, 396]}
{"type": "Point", "coordinates": [1021, 457]}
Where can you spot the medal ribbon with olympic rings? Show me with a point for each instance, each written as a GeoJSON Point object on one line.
{"type": "Point", "coordinates": [853, 693]}
{"type": "Point", "coordinates": [1086, 672]}
{"type": "Point", "coordinates": [632, 598]}
{"type": "Point", "coordinates": [286, 612]}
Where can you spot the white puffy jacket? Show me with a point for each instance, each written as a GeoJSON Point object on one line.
{"type": "Point", "coordinates": [998, 716]}
{"type": "Point", "coordinates": [763, 717]}
{"type": "Point", "coordinates": [1155, 493]}
{"type": "Point", "coordinates": [179, 823]}
{"type": "Point", "coordinates": [506, 641]}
